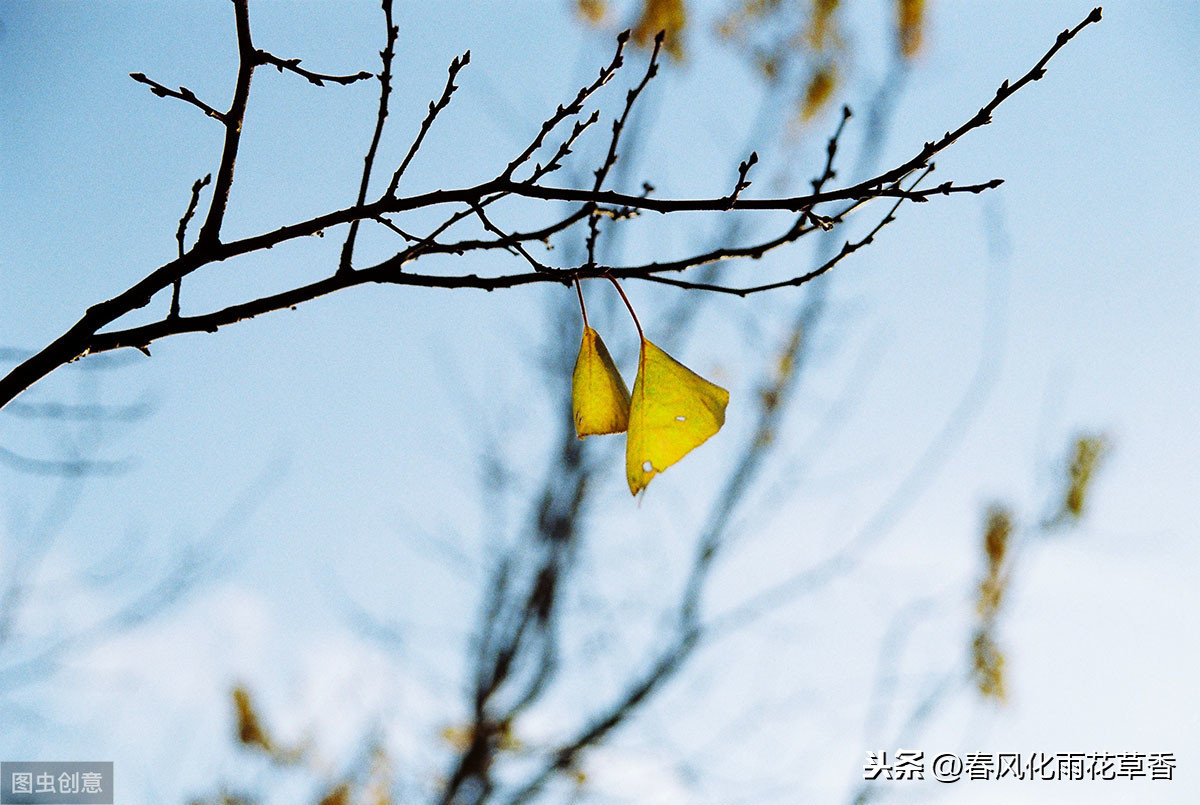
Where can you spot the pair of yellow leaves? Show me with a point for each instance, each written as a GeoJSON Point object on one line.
{"type": "Point", "coordinates": [671, 412]}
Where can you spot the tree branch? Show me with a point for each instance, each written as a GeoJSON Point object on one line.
{"type": "Point", "coordinates": [847, 249]}
{"type": "Point", "coordinates": [984, 115]}
{"type": "Point", "coordinates": [385, 90]}
{"type": "Point", "coordinates": [197, 186]}
{"type": "Point", "coordinates": [571, 109]}
{"type": "Point", "coordinates": [262, 57]}
{"type": "Point", "coordinates": [511, 243]}
{"type": "Point", "coordinates": [84, 337]}
{"type": "Point", "coordinates": [183, 94]}
{"type": "Point", "coordinates": [618, 127]}
{"type": "Point", "coordinates": [435, 108]}
{"type": "Point", "coordinates": [210, 232]}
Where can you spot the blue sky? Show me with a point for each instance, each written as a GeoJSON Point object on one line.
{"type": "Point", "coordinates": [378, 401]}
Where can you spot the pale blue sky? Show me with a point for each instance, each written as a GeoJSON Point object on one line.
{"type": "Point", "coordinates": [378, 398]}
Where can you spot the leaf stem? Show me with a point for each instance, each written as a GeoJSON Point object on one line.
{"type": "Point", "coordinates": [625, 299]}
{"type": "Point", "coordinates": [582, 306]}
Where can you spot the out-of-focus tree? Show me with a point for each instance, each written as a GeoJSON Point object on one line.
{"type": "Point", "coordinates": [801, 44]}
{"type": "Point", "coordinates": [55, 607]}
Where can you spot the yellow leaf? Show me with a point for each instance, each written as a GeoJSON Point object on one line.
{"type": "Point", "coordinates": [818, 92]}
{"type": "Point", "coordinates": [912, 14]}
{"type": "Point", "coordinates": [599, 396]}
{"type": "Point", "coordinates": [593, 11]}
{"type": "Point", "coordinates": [458, 737]}
{"type": "Point", "coordinates": [673, 411]}
{"type": "Point", "coordinates": [669, 16]}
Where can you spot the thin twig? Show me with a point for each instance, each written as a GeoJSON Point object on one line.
{"type": "Point", "coordinates": [618, 127]}
{"type": "Point", "coordinates": [183, 94]}
{"type": "Point", "coordinates": [293, 66]}
{"type": "Point", "coordinates": [508, 242]}
{"type": "Point", "coordinates": [385, 90]}
{"type": "Point", "coordinates": [742, 181]}
{"type": "Point", "coordinates": [818, 184]}
{"type": "Point", "coordinates": [181, 232]}
{"type": "Point", "coordinates": [565, 148]}
{"type": "Point", "coordinates": [571, 109]}
{"type": "Point", "coordinates": [848, 248]}
{"type": "Point", "coordinates": [435, 107]}
{"type": "Point", "coordinates": [984, 115]}
{"type": "Point", "coordinates": [387, 222]}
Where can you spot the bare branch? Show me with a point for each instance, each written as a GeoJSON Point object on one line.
{"type": "Point", "coordinates": [210, 232]}
{"type": "Point", "coordinates": [389, 271]}
{"type": "Point", "coordinates": [293, 65]}
{"type": "Point", "coordinates": [565, 148]}
{"type": "Point", "coordinates": [387, 222]}
{"type": "Point", "coordinates": [385, 90]}
{"type": "Point", "coordinates": [81, 412]}
{"type": "Point", "coordinates": [571, 109]}
{"type": "Point", "coordinates": [71, 468]}
{"type": "Point", "coordinates": [84, 337]}
{"type": "Point", "coordinates": [618, 127]}
{"type": "Point", "coordinates": [721, 203]}
{"type": "Point", "coordinates": [831, 151]}
{"type": "Point", "coordinates": [847, 249]}
{"type": "Point", "coordinates": [608, 719]}
{"type": "Point", "coordinates": [435, 107]}
{"type": "Point", "coordinates": [984, 115]}
{"type": "Point", "coordinates": [542, 235]}
{"type": "Point", "coordinates": [508, 242]}
{"type": "Point", "coordinates": [742, 181]}
{"type": "Point", "coordinates": [183, 94]}
{"type": "Point", "coordinates": [197, 186]}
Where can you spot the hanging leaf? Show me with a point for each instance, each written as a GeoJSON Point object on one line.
{"type": "Point", "coordinates": [672, 412]}
{"type": "Point", "coordinates": [599, 396]}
